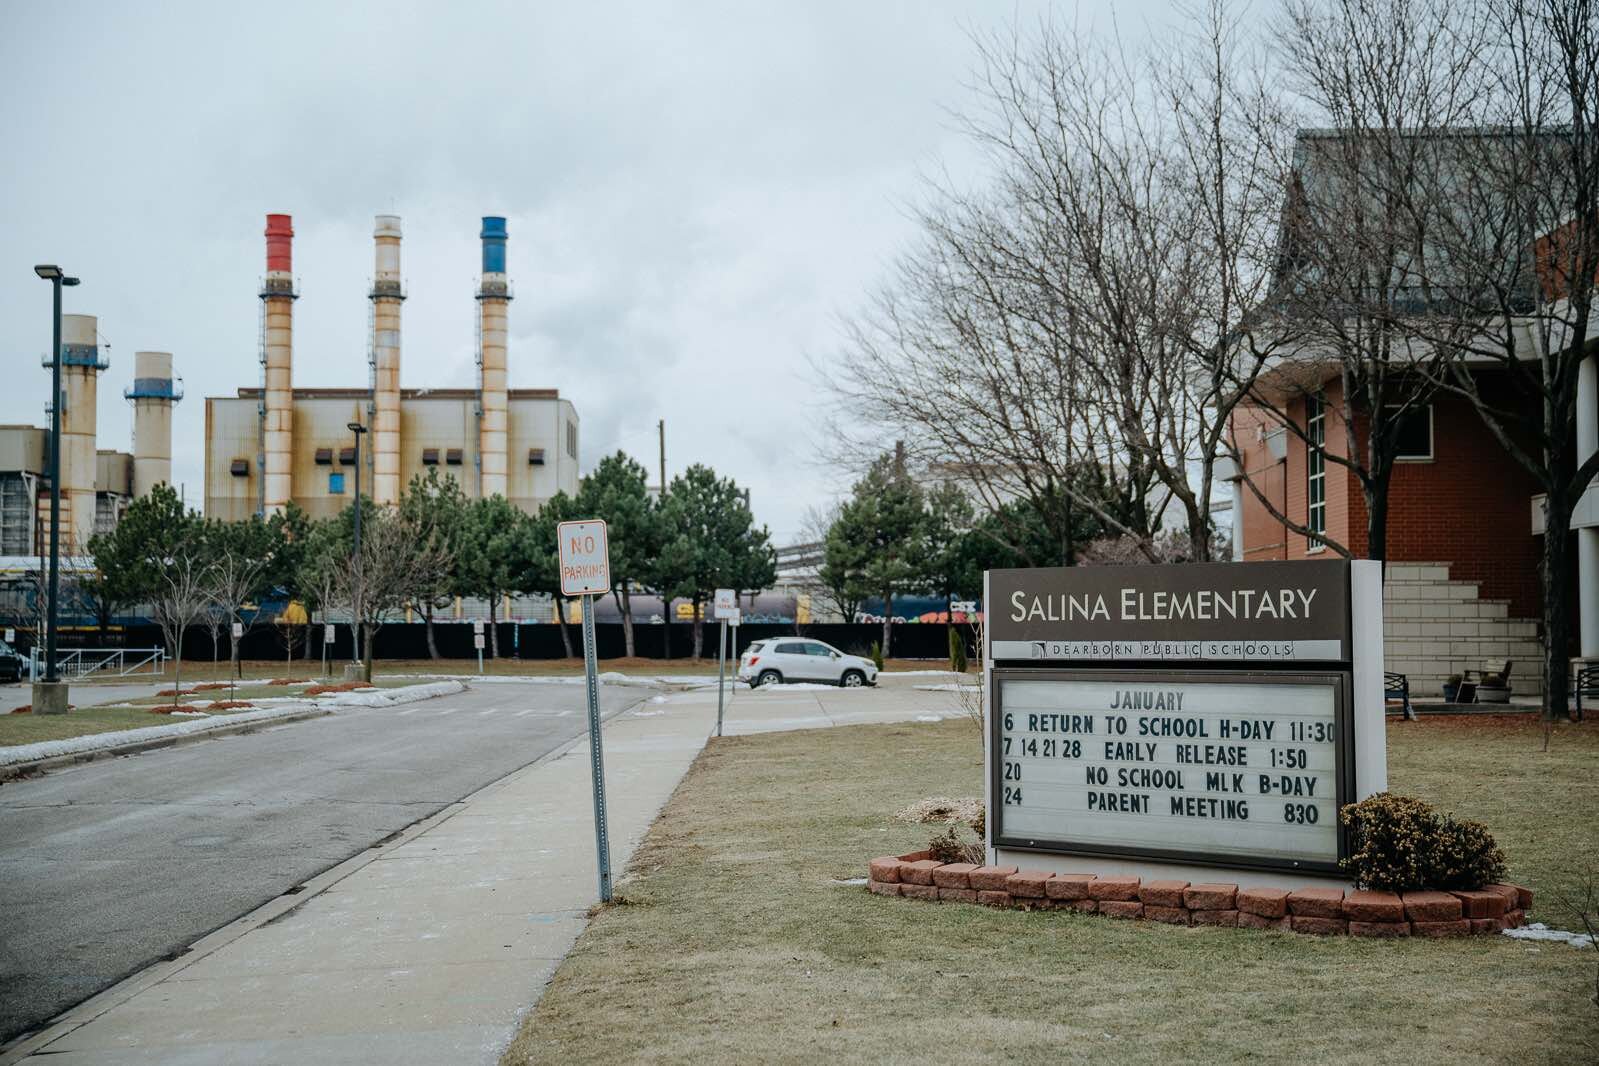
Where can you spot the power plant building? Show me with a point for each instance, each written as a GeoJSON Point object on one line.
{"type": "Point", "coordinates": [275, 443]}
{"type": "Point", "coordinates": [96, 484]}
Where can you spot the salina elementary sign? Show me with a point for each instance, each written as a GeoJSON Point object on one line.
{"type": "Point", "coordinates": [1212, 714]}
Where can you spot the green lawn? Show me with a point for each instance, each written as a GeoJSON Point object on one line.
{"type": "Point", "coordinates": [733, 944]}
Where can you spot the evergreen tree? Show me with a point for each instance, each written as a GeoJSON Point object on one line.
{"type": "Point", "coordinates": [877, 546]}
{"type": "Point", "coordinates": [437, 508]}
{"type": "Point", "coordinates": [709, 540]}
{"type": "Point", "coordinates": [495, 550]}
{"type": "Point", "coordinates": [617, 491]}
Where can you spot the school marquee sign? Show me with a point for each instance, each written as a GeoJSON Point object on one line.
{"type": "Point", "coordinates": [1210, 714]}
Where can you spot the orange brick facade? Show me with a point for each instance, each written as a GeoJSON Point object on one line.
{"type": "Point", "coordinates": [1470, 505]}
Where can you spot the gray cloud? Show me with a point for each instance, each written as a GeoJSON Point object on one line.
{"type": "Point", "coordinates": [694, 193]}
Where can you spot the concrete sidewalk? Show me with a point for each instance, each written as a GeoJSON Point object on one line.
{"type": "Point", "coordinates": [430, 949]}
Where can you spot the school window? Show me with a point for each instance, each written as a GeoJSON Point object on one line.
{"type": "Point", "coordinates": [335, 483]}
{"type": "Point", "coordinates": [1414, 440]}
{"type": "Point", "coordinates": [571, 439]}
{"type": "Point", "coordinates": [1316, 466]}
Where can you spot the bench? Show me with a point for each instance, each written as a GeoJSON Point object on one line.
{"type": "Point", "coordinates": [1397, 687]}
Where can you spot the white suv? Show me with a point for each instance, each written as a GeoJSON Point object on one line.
{"type": "Point", "coordinates": [779, 659]}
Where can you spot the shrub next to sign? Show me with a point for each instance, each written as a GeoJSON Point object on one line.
{"type": "Point", "coordinates": [1400, 844]}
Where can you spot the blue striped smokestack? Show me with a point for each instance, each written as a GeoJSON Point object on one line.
{"type": "Point", "coordinates": [493, 244]}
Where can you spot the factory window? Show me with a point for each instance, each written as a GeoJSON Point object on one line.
{"type": "Point", "coordinates": [335, 483]}
{"type": "Point", "coordinates": [324, 456]}
{"type": "Point", "coordinates": [571, 439]}
{"type": "Point", "coordinates": [347, 455]}
{"type": "Point", "coordinates": [535, 456]}
{"type": "Point", "coordinates": [239, 468]}
{"type": "Point", "coordinates": [452, 457]}
{"type": "Point", "coordinates": [430, 457]}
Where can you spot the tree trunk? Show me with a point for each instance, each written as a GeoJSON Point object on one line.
{"type": "Point", "coordinates": [624, 604]}
{"type": "Point", "coordinates": [1556, 605]}
{"type": "Point", "coordinates": [699, 630]}
{"type": "Point", "coordinates": [366, 660]}
{"type": "Point", "coordinates": [427, 617]}
{"type": "Point", "coordinates": [888, 620]}
{"type": "Point", "coordinates": [177, 666]}
{"type": "Point", "coordinates": [1376, 493]}
{"type": "Point", "coordinates": [494, 625]}
{"type": "Point", "coordinates": [560, 619]}
{"type": "Point", "coordinates": [666, 636]}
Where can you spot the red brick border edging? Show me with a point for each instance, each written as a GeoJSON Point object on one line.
{"type": "Point", "coordinates": [1325, 911]}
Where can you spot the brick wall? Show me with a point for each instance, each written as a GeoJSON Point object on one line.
{"type": "Point", "coordinates": [1323, 911]}
{"type": "Point", "coordinates": [1469, 506]}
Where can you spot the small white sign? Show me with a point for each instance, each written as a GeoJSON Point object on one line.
{"type": "Point", "coordinates": [726, 600]}
{"type": "Point", "coordinates": [238, 630]}
{"type": "Point", "coordinates": [732, 617]}
{"type": "Point", "coordinates": [327, 633]}
{"type": "Point", "coordinates": [11, 635]}
{"type": "Point", "coordinates": [477, 627]}
{"type": "Point", "coordinates": [585, 558]}
{"type": "Point", "coordinates": [477, 642]}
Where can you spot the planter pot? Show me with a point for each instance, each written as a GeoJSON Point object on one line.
{"type": "Point", "coordinates": [1450, 692]}
{"type": "Point", "coordinates": [1492, 694]}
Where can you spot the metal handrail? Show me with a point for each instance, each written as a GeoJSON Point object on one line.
{"type": "Point", "coordinates": [80, 663]}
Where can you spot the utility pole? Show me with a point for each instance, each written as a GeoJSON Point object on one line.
{"type": "Point", "coordinates": [50, 695]}
{"type": "Point", "coordinates": [360, 584]}
{"type": "Point", "coordinates": [662, 427]}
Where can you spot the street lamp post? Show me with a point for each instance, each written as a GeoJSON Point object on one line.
{"type": "Point", "coordinates": [360, 589]}
{"type": "Point", "coordinates": [50, 695]}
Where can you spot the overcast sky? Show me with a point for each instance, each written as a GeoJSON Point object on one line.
{"type": "Point", "coordinates": [695, 194]}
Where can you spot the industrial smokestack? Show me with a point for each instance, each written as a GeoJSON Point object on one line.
{"type": "Point", "coordinates": [81, 363]}
{"type": "Point", "coordinates": [386, 296]}
{"type": "Point", "coordinates": [153, 392]}
{"type": "Point", "coordinates": [277, 362]}
{"type": "Point", "coordinates": [493, 296]}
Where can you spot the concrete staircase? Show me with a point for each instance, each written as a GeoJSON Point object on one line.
{"type": "Point", "coordinates": [1434, 627]}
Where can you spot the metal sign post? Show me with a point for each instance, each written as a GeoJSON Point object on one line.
{"type": "Point", "coordinates": [477, 642]}
{"type": "Point", "coordinates": [726, 601]}
{"type": "Point", "coordinates": [586, 573]}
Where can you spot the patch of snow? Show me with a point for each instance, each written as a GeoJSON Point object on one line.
{"type": "Point", "coordinates": [50, 749]}
{"type": "Point", "coordinates": [952, 687]}
{"type": "Point", "coordinates": [389, 697]}
{"type": "Point", "coordinates": [918, 673]}
{"type": "Point", "coordinates": [851, 882]}
{"type": "Point", "coordinates": [659, 699]}
{"type": "Point", "coordinates": [799, 686]}
{"type": "Point", "coordinates": [189, 714]}
{"type": "Point", "coordinates": [1540, 931]}
{"type": "Point", "coordinates": [929, 718]}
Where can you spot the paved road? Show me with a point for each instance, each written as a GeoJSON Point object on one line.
{"type": "Point", "coordinates": [110, 866]}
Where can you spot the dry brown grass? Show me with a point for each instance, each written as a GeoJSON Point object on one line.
{"type": "Point", "coordinates": [735, 944]}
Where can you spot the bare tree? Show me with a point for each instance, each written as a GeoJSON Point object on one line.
{"type": "Point", "coordinates": [1092, 311]}
{"type": "Point", "coordinates": [234, 581]}
{"type": "Point", "coordinates": [181, 597]}
{"type": "Point", "coordinates": [379, 584]}
{"type": "Point", "coordinates": [1513, 269]}
{"type": "Point", "coordinates": [1380, 78]}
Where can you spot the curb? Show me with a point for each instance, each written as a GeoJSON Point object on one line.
{"type": "Point", "coordinates": [222, 729]}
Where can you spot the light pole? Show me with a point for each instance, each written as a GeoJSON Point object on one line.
{"type": "Point", "coordinates": [360, 589]}
{"type": "Point", "coordinates": [50, 695]}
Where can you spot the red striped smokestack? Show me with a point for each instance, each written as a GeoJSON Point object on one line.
{"type": "Point", "coordinates": [279, 244]}
{"type": "Point", "coordinates": [277, 358]}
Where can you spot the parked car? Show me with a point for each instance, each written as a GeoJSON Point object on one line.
{"type": "Point", "coordinates": [781, 659]}
{"type": "Point", "coordinates": [12, 665]}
